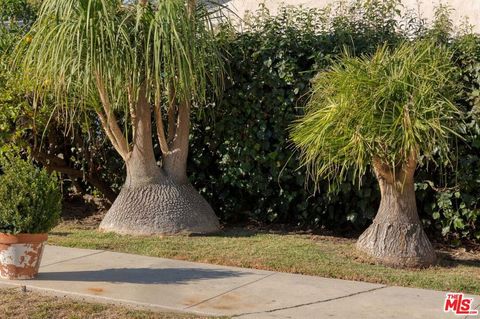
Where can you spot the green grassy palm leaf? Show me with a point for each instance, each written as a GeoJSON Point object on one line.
{"type": "Point", "coordinates": [388, 106]}
{"type": "Point", "coordinates": [162, 45]}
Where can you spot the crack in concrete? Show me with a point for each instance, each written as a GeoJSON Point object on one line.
{"type": "Point", "coordinates": [308, 303]}
{"type": "Point", "coordinates": [230, 290]}
{"type": "Point", "coordinates": [476, 308]}
{"type": "Point", "coordinates": [73, 258]}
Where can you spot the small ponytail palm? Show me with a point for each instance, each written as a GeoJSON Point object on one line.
{"type": "Point", "coordinates": [389, 112]}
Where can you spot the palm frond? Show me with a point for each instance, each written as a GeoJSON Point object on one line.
{"type": "Point", "coordinates": [77, 44]}
{"type": "Point", "coordinates": [386, 106]}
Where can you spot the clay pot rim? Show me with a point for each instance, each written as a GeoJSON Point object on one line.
{"type": "Point", "coordinates": [22, 238]}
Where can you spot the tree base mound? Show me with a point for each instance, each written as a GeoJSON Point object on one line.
{"type": "Point", "coordinates": [160, 209]}
{"type": "Point", "coordinates": [397, 245]}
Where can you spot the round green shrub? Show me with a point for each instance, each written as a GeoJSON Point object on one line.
{"type": "Point", "coordinates": [30, 199]}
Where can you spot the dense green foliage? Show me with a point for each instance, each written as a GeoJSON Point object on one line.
{"type": "Point", "coordinates": [244, 163]}
{"type": "Point", "coordinates": [79, 151]}
{"type": "Point", "coordinates": [450, 198]}
{"type": "Point", "coordinates": [30, 199]}
{"type": "Point", "coordinates": [14, 11]}
{"type": "Point", "coordinates": [12, 94]}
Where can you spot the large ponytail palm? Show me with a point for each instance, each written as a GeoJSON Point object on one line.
{"type": "Point", "coordinates": [137, 65]}
{"type": "Point", "coordinates": [389, 112]}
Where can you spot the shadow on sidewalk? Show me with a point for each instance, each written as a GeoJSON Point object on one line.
{"type": "Point", "coordinates": [141, 275]}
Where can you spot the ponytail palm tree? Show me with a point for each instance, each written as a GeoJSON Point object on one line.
{"type": "Point", "coordinates": [139, 66]}
{"type": "Point", "coordinates": [389, 112]}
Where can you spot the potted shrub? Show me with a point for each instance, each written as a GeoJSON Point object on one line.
{"type": "Point", "coordinates": [30, 206]}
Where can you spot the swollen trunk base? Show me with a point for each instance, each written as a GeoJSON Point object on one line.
{"type": "Point", "coordinates": [396, 237]}
{"type": "Point", "coordinates": [165, 208]}
{"type": "Point", "coordinates": [397, 245]}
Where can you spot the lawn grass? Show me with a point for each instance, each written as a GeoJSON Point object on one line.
{"type": "Point", "coordinates": [295, 253]}
{"type": "Point", "coordinates": [17, 304]}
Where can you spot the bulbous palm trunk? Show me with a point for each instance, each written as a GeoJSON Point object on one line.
{"type": "Point", "coordinates": [157, 200]}
{"type": "Point", "coordinates": [396, 237]}
{"type": "Point", "coordinates": [152, 201]}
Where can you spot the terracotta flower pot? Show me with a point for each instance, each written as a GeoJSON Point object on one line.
{"type": "Point", "coordinates": [20, 255]}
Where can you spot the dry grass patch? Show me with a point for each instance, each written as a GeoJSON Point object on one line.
{"type": "Point", "coordinates": [16, 304]}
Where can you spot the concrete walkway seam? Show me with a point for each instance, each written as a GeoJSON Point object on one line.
{"type": "Point", "coordinates": [230, 290]}
{"type": "Point", "coordinates": [309, 303]}
{"type": "Point", "coordinates": [74, 258]}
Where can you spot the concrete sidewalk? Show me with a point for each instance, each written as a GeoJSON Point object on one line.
{"type": "Point", "coordinates": [171, 285]}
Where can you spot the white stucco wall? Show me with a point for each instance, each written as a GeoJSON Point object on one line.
{"type": "Point", "coordinates": [463, 8]}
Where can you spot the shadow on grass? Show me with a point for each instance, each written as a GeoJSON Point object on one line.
{"type": "Point", "coordinates": [60, 234]}
{"type": "Point", "coordinates": [235, 233]}
{"type": "Point", "coordinates": [142, 275]}
{"type": "Point", "coordinates": [447, 261]}
{"type": "Point", "coordinates": [239, 232]}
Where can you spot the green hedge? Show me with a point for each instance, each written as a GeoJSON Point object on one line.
{"type": "Point", "coordinates": [450, 200]}
{"type": "Point", "coordinates": [243, 161]}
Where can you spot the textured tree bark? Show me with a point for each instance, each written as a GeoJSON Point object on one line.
{"type": "Point", "coordinates": [151, 202]}
{"type": "Point", "coordinates": [396, 237]}
{"type": "Point", "coordinates": [175, 161]}
{"type": "Point", "coordinates": [157, 200]}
